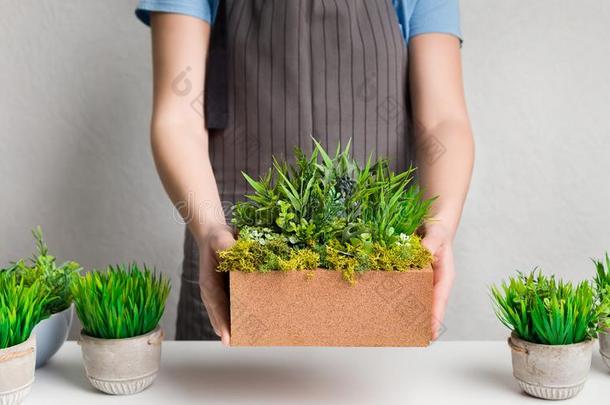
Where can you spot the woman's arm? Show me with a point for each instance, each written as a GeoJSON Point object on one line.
{"type": "Point", "coordinates": [445, 149]}
{"type": "Point", "coordinates": [180, 147]}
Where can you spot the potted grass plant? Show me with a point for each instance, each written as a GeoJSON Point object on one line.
{"type": "Point", "coordinates": [554, 324]}
{"type": "Point", "coordinates": [55, 278]}
{"type": "Point", "coordinates": [602, 288]}
{"type": "Point", "coordinates": [328, 255]}
{"type": "Point", "coordinates": [22, 306]}
{"type": "Point", "coordinates": [121, 338]}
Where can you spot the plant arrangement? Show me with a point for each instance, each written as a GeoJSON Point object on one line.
{"type": "Point", "coordinates": [22, 306]}
{"type": "Point", "coordinates": [328, 212]}
{"type": "Point", "coordinates": [554, 324]}
{"type": "Point", "coordinates": [312, 227]}
{"type": "Point", "coordinates": [120, 310]}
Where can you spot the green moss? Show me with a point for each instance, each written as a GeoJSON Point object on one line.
{"type": "Point", "coordinates": [300, 259]}
{"type": "Point", "coordinates": [245, 255]}
{"type": "Point", "coordinates": [279, 248]}
{"type": "Point", "coordinates": [418, 255]}
{"type": "Point", "coordinates": [250, 256]}
{"type": "Point", "coordinates": [341, 259]}
{"type": "Point", "coordinates": [400, 257]}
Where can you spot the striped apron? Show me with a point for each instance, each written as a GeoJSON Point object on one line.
{"type": "Point", "coordinates": [282, 71]}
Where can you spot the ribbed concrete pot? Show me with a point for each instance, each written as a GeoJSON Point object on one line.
{"type": "Point", "coordinates": [17, 365]}
{"type": "Point", "coordinates": [604, 346]}
{"type": "Point", "coordinates": [122, 366]}
{"type": "Point", "coordinates": [551, 372]}
{"type": "Point", "coordinates": [51, 334]}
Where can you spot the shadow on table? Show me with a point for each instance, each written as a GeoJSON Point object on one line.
{"type": "Point", "coordinates": [597, 364]}
{"type": "Point", "coordinates": [257, 382]}
{"type": "Point", "coordinates": [493, 377]}
{"type": "Point", "coordinates": [67, 372]}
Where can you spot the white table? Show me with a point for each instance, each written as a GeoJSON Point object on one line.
{"type": "Point", "coordinates": [207, 373]}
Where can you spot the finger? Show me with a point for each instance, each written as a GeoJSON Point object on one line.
{"type": "Point", "coordinates": [443, 282]}
{"type": "Point", "coordinates": [210, 311]}
{"type": "Point", "coordinates": [225, 336]}
{"type": "Point", "coordinates": [438, 310]}
{"type": "Point", "coordinates": [214, 295]}
{"type": "Point", "coordinates": [216, 304]}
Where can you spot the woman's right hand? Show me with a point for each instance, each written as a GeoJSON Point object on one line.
{"type": "Point", "coordinates": [212, 282]}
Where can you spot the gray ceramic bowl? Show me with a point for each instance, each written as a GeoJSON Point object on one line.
{"type": "Point", "coordinates": [51, 335]}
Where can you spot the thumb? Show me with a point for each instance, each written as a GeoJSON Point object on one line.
{"type": "Point", "coordinates": [223, 240]}
{"type": "Point", "coordinates": [432, 242]}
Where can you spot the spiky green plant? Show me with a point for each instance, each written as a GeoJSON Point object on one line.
{"type": "Point", "coordinates": [544, 310]}
{"type": "Point", "coordinates": [121, 302]}
{"type": "Point", "coordinates": [54, 278]}
{"type": "Point", "coordinates": [22, 306]}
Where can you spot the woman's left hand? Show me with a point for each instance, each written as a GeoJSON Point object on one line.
{"type": "Point", "coordinates": [439, 241]}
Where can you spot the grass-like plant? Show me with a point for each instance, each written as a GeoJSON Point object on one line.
{"type": "Point", "coordinates": [542, 309]}
{"type": "Point", "coordinates": [332, 212]}
{"type": "Point", "coordinates": [121, 302]}
{"type": "Point", "coordinates": [22, 306]}
{"type": "Point", "coordinates": [54, 279]}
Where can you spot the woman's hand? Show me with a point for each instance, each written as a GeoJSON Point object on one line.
{"type": "Point", "coordinates": [211, 282]}
{"type": "Point", "coordinates": [439, 241]}
{"type": "Point", "coordinates": [179, 141]}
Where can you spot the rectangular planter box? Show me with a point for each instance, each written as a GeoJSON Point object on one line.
{"type": "Point", "coordinates": [319, 308]}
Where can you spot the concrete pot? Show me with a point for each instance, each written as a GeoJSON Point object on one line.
{"type": "Point", "coordinates": [122, 366]}
{"type": "Point", "coordinates": [604, 346]}
{"type": "Point", "coordinates": [551, 372]}
{"type": "Point", "coordinates": [51, 335]}
{"type": "Point", "coordinates": [17, 371]}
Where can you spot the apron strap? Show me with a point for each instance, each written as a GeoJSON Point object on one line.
{"type": "Point", "coordinates": [216, 82]}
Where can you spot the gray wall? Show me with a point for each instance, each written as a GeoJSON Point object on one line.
{"type": "Point", "coordinates": [75, 103]}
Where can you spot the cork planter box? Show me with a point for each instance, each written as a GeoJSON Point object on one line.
{"type": "Point", "coordinates": [318, 308]}
{"type": "Point", "coordinates": [328, 253]}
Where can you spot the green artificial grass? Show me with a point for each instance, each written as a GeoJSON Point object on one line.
{"type": "Point", "coordinates": [330, 212]}
{"type": "Point", "coordinates": [121, 302]}
{"type": "Point", "coordinates": [541, 309]}
{"type": "Point", "coordinates": [22, 306]}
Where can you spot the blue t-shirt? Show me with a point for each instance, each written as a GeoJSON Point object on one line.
{"type": "Point", "coordinates": [414, 16]}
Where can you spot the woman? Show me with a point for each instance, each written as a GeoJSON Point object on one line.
{"type": "Point", "coordinates": [385, 74]}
